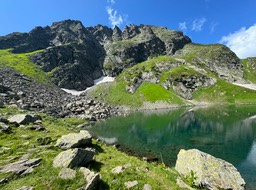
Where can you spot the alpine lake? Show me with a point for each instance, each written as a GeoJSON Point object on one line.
{"type": "Point", "coordinates": [228, 133]}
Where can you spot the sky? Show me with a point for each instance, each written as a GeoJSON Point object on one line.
{"type": "Point", "coordinates": [229, 22]}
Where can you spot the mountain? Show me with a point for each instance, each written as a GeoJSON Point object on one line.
{"type": "Point", "coordinates": [151, 64]}
{"type": "Point", "coordinates": [75, 55]}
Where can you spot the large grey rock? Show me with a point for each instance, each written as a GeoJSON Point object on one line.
{"type": "Point", "coordinates": [131, 184]}
{"type": "Point", "coordinates": [67, 173]}
{"type": "Point", "coordinates": [147, 187]}
{"type": "Point", "coordinates": [21, 167]}
{"type": "Point", "coordinates": [73, 158]}
{"type": "Point", "coordinates": [23, 119]}
{"type": "Point", "coordinates": [207, 171]}
{"type": "Point", "coordinates": [92, 179]}
{"type": "Point", "coordinates": [74, 140]}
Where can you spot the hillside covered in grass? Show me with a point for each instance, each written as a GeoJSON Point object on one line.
{"type": "Point", "coordinates": [23, 143]}
{"type": "Point", "coordinates": [196, 74]}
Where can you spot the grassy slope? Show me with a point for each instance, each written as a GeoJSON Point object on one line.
{"type": "Point", "coordinates": [250, 69]}
{"type": "Point", "coordinates": [147, 92]}
{"type": "Point", "coordinates": [21, 63]}
{"type": "Point", "coordinates": [46, 177]}
{"type": "Point", "coordinates": [225, 93]}
{"type": "Point", "coordinates": [194, 52]}
{"type": "Point", "coordinates": [221, 93]}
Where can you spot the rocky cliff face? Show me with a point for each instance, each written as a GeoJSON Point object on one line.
{"type": "Point", "coordinates": [71, 54]}
{"type": "Point", "coordinates": [75, 55]}
{"type": "Point", "coordinates": [215, 58]}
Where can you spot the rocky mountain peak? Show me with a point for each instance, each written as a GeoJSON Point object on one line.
{"type": "Point", "coordinates": [67, 23]}
{"type": "Point", "coordinates": [76, 55]}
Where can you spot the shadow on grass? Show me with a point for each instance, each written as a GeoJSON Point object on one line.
{"type": "Point", "coordinates": [103, 185]}
{"type": "Point", "coordinates": [97, 148]}
{"type": "Point", "coordinates": [96, 166]}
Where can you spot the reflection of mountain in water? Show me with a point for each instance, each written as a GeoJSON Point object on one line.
{"type": "Point", "coordinates": [226, 133]}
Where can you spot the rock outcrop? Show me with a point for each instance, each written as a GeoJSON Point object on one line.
{"type": "Point", "coordinates": [77, 158]}
{"type": "Point", "coordinates": [21, 167]}
{"type": "Point", "coordinates": [215, 58]}
{"type": "Point", "coordinates": [139, 43]}
{"type": "Point", "coordinates": [206, 171]}
{"type": "Point", "coordinates": [73, 158]}
{"type": "Point", "coordinates": [92, 179]}
{"type": "Point", "coordinates": [23, 119]}
{"type": "Point", "coordinates": [74, 140]}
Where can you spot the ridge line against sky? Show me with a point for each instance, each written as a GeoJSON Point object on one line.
{"type": "Point", "coordinates": [230, 22]}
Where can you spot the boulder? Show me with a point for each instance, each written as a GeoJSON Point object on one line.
{"type": "Point", "coordinates": [3, 119]}
{"type": "Point", "coordinates": [73, 158]}
{"type": "Point", "coordinates": [118, 170]}
{"type": "Point", "coordinates": [74, 140]}
{"type": "Point", "coordinates": [21, 167]}
{"type": "Point", "coordinates": [67, 173]}
{"type": "Point", "coordinates": [131, 184]}
{"type": "Point", "coordinates": [92, 179]}
{"type": "Point", "coordinates": [4, 128]}
{"type": "Point", "coordinates": [206, 171]}
{"type": "Point", "coordinates": [147, 187]}
{"type": "Point", "coordinates": [36, 127]}
{"type": "Point", "coordinates": [23, 119]}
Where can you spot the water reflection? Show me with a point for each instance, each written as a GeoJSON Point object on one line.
{"type": "Point", "coordinates": [227, 133]}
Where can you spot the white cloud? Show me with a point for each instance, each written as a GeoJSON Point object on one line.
{"type": "Point", "coordinates": [242, 42]}
{"type": "Point", "coordinates": [113, 17]}
{"type": "Point", "coordinates": [213, 26]}
{"type": "Point", "coordinates": [183, 26]}
{"type": "Point", "coordinates": [198, 24]}
{"type": "Point", "coordinates": [111, 1]}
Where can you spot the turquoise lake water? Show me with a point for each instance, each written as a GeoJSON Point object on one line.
{"type": "Point", "coordinates": [224, 132]}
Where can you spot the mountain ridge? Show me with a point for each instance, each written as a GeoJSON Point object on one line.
{"type": "Point", "coordinates": [145, 59]}
{"type": "Point", "coordinates": [71, 36]}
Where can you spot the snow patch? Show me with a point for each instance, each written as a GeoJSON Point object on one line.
{"type": "Point", "coordinates": [96, 82]}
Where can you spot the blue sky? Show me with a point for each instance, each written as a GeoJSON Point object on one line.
{"type": "Point", "coordinates": [231, 22]}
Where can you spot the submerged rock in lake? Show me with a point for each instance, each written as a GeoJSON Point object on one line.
{"type": "Point", "coordinates": [208, 172]}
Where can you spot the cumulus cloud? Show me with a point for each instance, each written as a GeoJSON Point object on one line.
{"type": "Point", "coordinates": [111, 1]}
{"type": "Point", "coordinates": [242, 42]}
{"type": "Point", "coordinates": [198, 24]}
{"type": "Point", "coordinates": [113, 17]}
{"type": "Point", "coordinates": [183, 26]}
